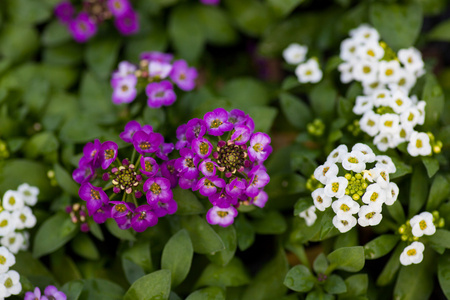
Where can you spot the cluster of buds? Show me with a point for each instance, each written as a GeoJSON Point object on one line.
{"type": "Point", "coordinates": [84, 25]}
{"type": "Point", "coordinates": [157, 74]}
{"type": "Point", "coordinates": [223, 158]}
{"type": "Point", "coordinates": [130, 178]}
{"type": "Point", "coordinates": [78, 214]}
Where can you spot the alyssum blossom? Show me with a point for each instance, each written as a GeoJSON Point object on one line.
{"type": "Point", "coordinates": [50, 293]}
{"type": "Point", "coordinates": [222, 158]}
{"type": "Point", "coordinates": [306, 71]}
{"type": "Point", "coordinates": [9, 279]}
{"type": "Point", "coordinates": [157, 75]}
{"type": "Point", "coordinates": [362, 190]}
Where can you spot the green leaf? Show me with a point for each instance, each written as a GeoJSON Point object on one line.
{"type": "Point", "coordinates": [297, 112]}
{"type": "Point", "coordinates": [53, 234]}
{"type": "Point", "coordinates": [356, 286]}
{"type": "Point", "coordinates": [299, 279]}
{"type": "Point", "coordinates": [65, 180]}
{"type": "Point", "coordinates": [63, 267]}
{"type": "Point", "coordinates": [188, 203]}
{"type": "Point", "coordinates": [28, 266]}
{"type": "Point", "coordinates": [73, 289]}
{"type": "Point", "coordinates": [101, 55]}
{"type": "Point", "coordinates": [156, 39]}
{"type": "Point", "coordinates": [155, 285]}
{"type": "Point", "coordinates": [272, 222]}
{"type": "Point", "coordinates": [439, 191]}
{"type": "Point", "coordinates": [139, 253]}
{"type": "Point", "coordinates": [320, 264]}
{"type": "Point", "coordinates": [132, 270]}
{"type": "Point", "coordinates": [41, 143]}
{"type": "Point", "coordinates": [380, 246]}
{"type": "Point", "coordinates": [204, 239]}
{"type": "Point", "coordinates": [350, 259]}
{"type": "Point", "coordinates": [434, 97]}
{"type": "Point", "coordinates": [54, 34]}
{"type": "Point", "coordinates": [216, 26]}
{"type": "Point", "coordinates": [396, 211]}
{"type": "Point", "coordinates": [402, 168]}
{"type": "Point", "coordinates": [18, 41]}
{"type": "Point", "coordinates": [440, 238]}
{"type": "Point", "coordinates": [66, 54]}
{"type": "Point", "coordinates": [209, 293]}
{"type": "Point", "coordinates": [83, 246]}
{"type": "Point", "coordinates": [101, 289]}
{"type": "Point", "coordinates": [245, 93]}
{"type": "Point", "coordinates": [228, 237]}
{"type": "Point", "coordinates": [431, 164]}
{"type": "Point", "coordinates": [418, 191]}
{"type": "Point", "coordinates": [398, 25]}
{"type": "Point", "coordinates": [28, 12]}
{"type": "Point", "coordinates": [233, 274]}
{"type": "Point", "coordinates": [36, 95]}
{"type": "Point", "coordinates": [245, 232]}
{"type": "Point", "coordinates": [114, 229]}
{"type": "Point", "coordinates": [283, 8]}
{"type": "Point", "coordinates": [177, 256]}
{"type": "Point", "coordinates": [391, 267]}
{"type": "Point", "coordinates": [443, 270]}
{"type": "Point", "coordinates": [79, 129]}
{"type": "Point", "coordinates": [323, 100]}
{"type": "Point", "coordinates": [319, 295]}
{"type": "Point", "coordinates": [263, 117]}
{"type": "Point", "coordinates": [441, 32]}
{"type": "Point", "coordinates": [335, 285]}
{"type": "Point", "coordinates": [95, 229]}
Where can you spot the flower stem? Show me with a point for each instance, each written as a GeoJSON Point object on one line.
{"type": "Point", "coordinates": [133, 155]}
{"type": "Point", "coordinates": [135, 200]}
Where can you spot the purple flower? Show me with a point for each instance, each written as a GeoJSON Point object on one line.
{"type": "Point", "coordinates": [95, 197]}
{"type": "Point", "coordinates": [217, 122]}
{"type": "Point", "coordinates": [208, 167]}
{"type": "Point", "coordinates": [181, 136]}
{"type": "Point", "coordinates": [156, 55]}
{"type": "Point", "coordinates": [208, 186]}
{"type": "Point", "coordinates": [158, 69]}
{"type": "Point", "coordinates": [169, 172]}
{"type": "Point", "coordinates": [185, 183]}
{"type": "Point", "coordinates": [52, 293]}
{"type": "Point", "coordinates": [108, 154]}
{"type": "Point", "coordinates": [237, 117]}
{"type": "Point", "coordinates": [143, 218]}
{"type": "Point", "coordinates": [124, 89]}
{"type": "Point", "coordinates": [91, 152]}
{"type": "Point", "coordinates": [125, 69]}
{"type": "Point", "coordinates": [236, 187]}
{"type": "Point", "coordinates": [241, 134]}
{"type": "Point", "coordinates": [82, 27]}
{"type": "Point", "coordinates": [259, 179]}
{"type": "Point", "coordinates": [164, 150]}
{"type": "Point", "coordinates": [157, 189]}
{"type": "Point", "coordinates": [260, 199]}
{"type": "Point", "coordinates": [102, 214]}
{"type": "Point", "coordinates": [259, 148]}
{"type": "Point", "coordinates": [160, 93]}
{"type": "Point", "coordinates": [186, 165]}
{"type": "Point", "coordinates": [183, 76]}
{"type": "Point", "coordinates": [149, 166]}
{"type": "Point", "coordinates": [146, 143]}
{"type": "Point", "coordinates": [118, 8]}
{"type": "Point", "coordinates": [222, 200]}
{"type": "Point", "coordinates": [221, 216]}
{"type": "Point", "coordinates": [147, 129]}
{"type": "Point", "coordinates": [84, 172]}
{"type": "Point", "coordinates": [64, 12]}
{"type": "Point", "coordinates": [130, 129]}
{"type": "Point", "coordinates": [196, 128]}
{"type": "Point", "coordinates": [33, 295]}
{"type": "Point", "coordinates": [128, 23]}
{"type": "Point", "coordinates": [165, 208]}
{"type": "Point", "coordinates": [202, 147]}
{"type": "Point", "coordinates": [122, 212]}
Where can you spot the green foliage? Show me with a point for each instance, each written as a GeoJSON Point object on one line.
{"type": "Point", "coordinates": [350, 259]}
{"type": "Point", "coordinates": [152, 286]}
{"type": "Point", "coordinates": [299, 279]}
{"type": "Point", "coordinates": [177, 256]}
{"type": "Point", "coordinates": [233, 274]}
{"type": "Point", "coordinates": [380, 246]}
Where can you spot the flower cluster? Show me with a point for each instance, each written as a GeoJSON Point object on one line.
{"type": "Point", "coordinates": [9, 279]}
{"type": "Point", "coordinates": [158, 74]}
{"type": "Point", "coordinates": [84, 25]}
{"type": "Point", "coordinates": [308, 71]}
{"type": "Point", "coordinates": [223, 158]}
{"type": "Point", "coordinates": [50, 293]}
{"type": "Point", "coordinates": [16, 215]}
{"type": "Point", "coordinates": [359, 180]}
{"type": "Point", "coordinates": [131, 178]}
{"type": "Point", "coordinates": [422, 224]}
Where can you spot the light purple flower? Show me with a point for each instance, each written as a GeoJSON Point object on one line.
{"type": "Point", "coordinates": [196, 128]}
{"type": "Point", "coordinates": [124, 89]}
{"type": "Point", "coordinates": [143, 218]}
{"type": "Point", "coordinates": [118, 8]}
{"type": "Point", "coordinates": [128, 23]}
{"type": "Point", "coordinates": [130, 129]}
{"type": "Point", "coordinates": [33, 295]}
{"type": "Point", "coordinates": [208, 186]}
{"type": "Point", "coordinates": [52, 293]}
{"type": "Point", "coordinates": [221, 216]}
{"type": "Point", "coordinates": [149, 166]}
{"type": "Point", "coordinates": [202, 147]}
{"type": "Point", "coordinates": [165, 208]}
{"type": "Point", "coordinates": [64, 12]}
{"type": "Point", "coordinates": [160, 93]}
{"type": "Point", "coordinates": [186, 184]}
{"type": "Point", "coordinates": [164, 150]}
{"type": "Point", "coordinates": [183, 76]}
{"type": "Point", "coordinates": [237, 117]}
{"type": "Point", "coordinates": [102, 214]}
{"type": "Point", "coordinates": [146, 143]}
{"type": "Point", "coordinates": [168, 171]}
{"type": "Point", "coordinates": [222, 199]}
{"type": "Point", "coordinates": [157, 56]}
{"type": "Point", "coordinates": [108, 154]}
{"type": "Point", "coordinates": [95, 197]}
{"type": "Point", "coordinates": [259, 179]}
{"type": "Point", "coordinates": [259, 149]}
{"type": "Point", "coordinates": [157, 189]}
{"type": "Point", "coordinates": [122, 212]}
{"type": "Point", "coordinates": [241, 135]}
{"type": "Point", "coordinates": [82, 27]}
{"type": "Point", "coordinates": [236, 187]}
{"type": "Point", "coordinates": [217, 122]}
{"type": "Point", "coordinates": [186, 165]}
{"type": "Point", "coordinates": [125, 69]}
{"type": "Point", "coordinates": [208, 167]}
{"type": "Point", "coordinates": [181, 136]}
{"type": "Point", "coordinates": [158, 69]}
{"type": "Point", "coordinates": [260, 199]}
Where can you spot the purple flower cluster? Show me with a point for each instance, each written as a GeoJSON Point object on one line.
{"type": "Point", "coordinates": [158, 74]}
{"type": "Point", "coordinates": [223, 158]}
{"type": "Point", "coordinates": [84, 25]}
{"type": "Point", "coordinates": [144, 176]}
{"type": "Point", "coordinates": [50, 293]}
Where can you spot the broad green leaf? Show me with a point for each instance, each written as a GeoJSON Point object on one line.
{"type": "Point", "coordinates": [245, 232]}
{"type": "Point", "coordinates": [139, 253]}
{"type": "Point", "coordinates": [299, 279]}
{"type": "Point", "coordinates": [323, 100]}
{"type": "Point", "coordinates": [73, 289]}
{"type": "Point", "coordinates": [441, 32]}
{"type": "Point", "coordinates": [398, 25]}
{"type": "Point", "coordinates": [101, 55]}
{"type": "Point", "coordinates": [402, 169]}
{"type": "Point", "coordinates": [335, 285]}
{"type": "Point", "coordinates": [155, 285]}
{"type": "Point", "coordinates": [83, 246]}
{"type": "Point", "coordinates": [101, 289]}
{"type": "Point", "coordinates": [391, 267]}
{"type": "Point", "coordinates": [380, 246]}
{"type": "Point", "coordinates": [350, 259]}
{"type": "Point", "coordinates": [283, 8]}
{"type": "Point", "coordinates": [63, 267]}
{"type": "Point", "coordinates": [396, 211]}
{"type": "Point", "coordinates": [320, 264]}
{"type": "Point", "coordinates": [60, 76]}
{"type": "Point", "coordinates": [95, 229]}
{"type": "Point", "coordinates": [32, 268]}
{"type": "Point", "coordinates": [17, 171]}
{"type": "Point", "coordinates": [132, 270]}
{"type": "Point", "coordinates": [80, 129]}
{"type": "Point", "coordinates": [439, 191]}
{"type": "Point", "coordinates": [65, 180]}
{"type": "Point", "coordinates": [53, 234]}
{"type": "Point", "coordinates": [297, 112]}
{"type": "Point", "coordinates": [216, 25]}
{"type": "Point", "coordinates": [440, 238]}
{"type": "Point", "coordinates": [41, 143]}
{"type": "Point", "coordinates": [204, 239]}
{"type": "Point", "coordinates": [263, 117]}
{"type": "Point", "coordinates": [18, 41]}
{"type": "Point", "coordinates": [229, 238]}
{"type": "Point", "coordinates": [347, 239]}
{"type": "Point", "coordinates": [54, 34]}
{"type": "Point", "coordinates": [356, 287]}
{"type": "Point", "coordinates": [28, 12]}
{"type": "Point", "coordinates": [233, 274]}
{"type": "Point", "coordinates": [418, 191]}
{"type": "Point", "coordinates": [431, 164]}
{"type": "Point", "coordinates": [154, 40]}
{"type": "Point", "coordinates": [245, 93]}
{"type": "Point", "coordinates": [272, 222]}
{"type": "Point", "coordinates": [188, 203]}
{"type": "Point", "coordinates": [36, 95]}
{"type": "Point", "coordinates": [434, 98]}
{"type": "Point", "coordinates": [209, 293]}
{"type": "Point", "coordinates": [318, 295]}
{"type": "Point", "coordinates": [114, 229]}
{"type": "Point", "coordinates": [177, 256]}
{"type": "Point", "coordinates": [66, 54]}
{"type": "Point", "coordinates": [443, 270]}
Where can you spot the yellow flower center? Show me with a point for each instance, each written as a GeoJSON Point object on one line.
{"type": "Point", "coordinates": [423, 225]}
{"type": "Point", "coordinates": [155, 188]}
{"type": "Point", "coordinates": [222, 213]}
{"type": "Point", "coordinates": [335, 187]}
{"type": "Point", "coordinates": [419, 144]}
{"type": "Point", "coordinates": [374, 197]}
{"type": "Point", "coordinates": [344, 207]}
{"type": "Point", "coordinates": [411, 252]}
{"type": "Point", "coordinates": [389, 72]}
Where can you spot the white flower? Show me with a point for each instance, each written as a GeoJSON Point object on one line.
{"type": "Point", "coordinates": [422, 224]}
{"type": "Point", "coordinates": [363, 104]}
{"type": "Point", "coordinates": [384, 141]}
{"type": "Point", "coordinates": [369, 123]}
{"type": "Point", "coordinates": [309, 71]}
{"type": "Point", "coordinates": [371, 51]}
{"type": "Point", "coordinates": [29, 193]}
{"type": "Point", "coordinates": [13, 241]}
{"type": "Point", "coordinates": [400, 101]}
{"type": "Point", "coordinates": [159, 69]}
{"type": "Point", "coordinates": [7, 259]}
{"type": "Point", "coordinates": [354, 161]}
{"type": "Point", "coordinates": [419, 144]}
{"type": "Point", "coordinates": [345, 206]}
{"type": "Point", "coordinates": [374, 195]}
{"type": "Point", "coordinates": [389, 123]}
{"type": "Point", "coordinates": [309, 215]}
{"type": "Point", "coordinates": [336, 187]}
{"type": "Point", "coordinates": [421, 108]}
{"type": "Point", "coordinates": [24, 218]}
{"type": "Point", "coordinates": [365, 33]}
{"type": "Point", "coordinates": [410, 117]}
{"type": "Point", "coordinates": [346, 69]}
{"type": "Point", "coordinates": [26, 240]}
{"type": "Point", "coordinates": [381, 176]}
{"type": "Point", "coordinates": [405, 81]}
{"type": "Point", "coordinates": [344, 224]}
{"type": "Point", "coordinates": [367, 152]}
{"type": "Point", "coordinates": [385, 162]}
{"type": "Point", "coordinates": [336, 154]}
{"type": "Point", "coordinates": [321, 201]}
{"type": "Point", "coordinates": [7, 223]}
{"type": "Point", "coordinates": [125, 68]}
{"type": "Point", "coordinates": [369, 215]}
{"type": "Point", "coordinates": [326, 171]}
{"type": "Point", "coordinates": [391, 193]}
{"type": "Point", "coordinates": [12, 200]}
{"type": "Point", "coordinates": [11, 281]}
{"type": "Point", "coordinates": [389, 71]}
{"type": "Point", "coordinates": [295, 53]}
{"type": "Point", "coordinates": [411, 58]}
{"type": "Point", "coordinates": [371, 87]}
{"type": "Point", "coordinates": [382, 97]}
{"type": "Point", "coordinates": [366, 71]}
{"type": "Point", "coordinates": [349, 49]}
{"type": "Point", "coordinates": [413, 254]}
{"type": "Point", "coordinates": [403, 135]}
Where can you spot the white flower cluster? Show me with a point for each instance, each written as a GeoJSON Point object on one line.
{"type": "Point", "coordinates": [309, 215]}
{"type": "Point", "coordinates": [308, 71]}
{"type": "Point", "coordinates": [16, 215]}
{"type": "Point", "coordinates": [9, 279]}
{"type": "Point", "coordinates": [362, 190]}
{"type": "Point", "coordinates": [421, 224]}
